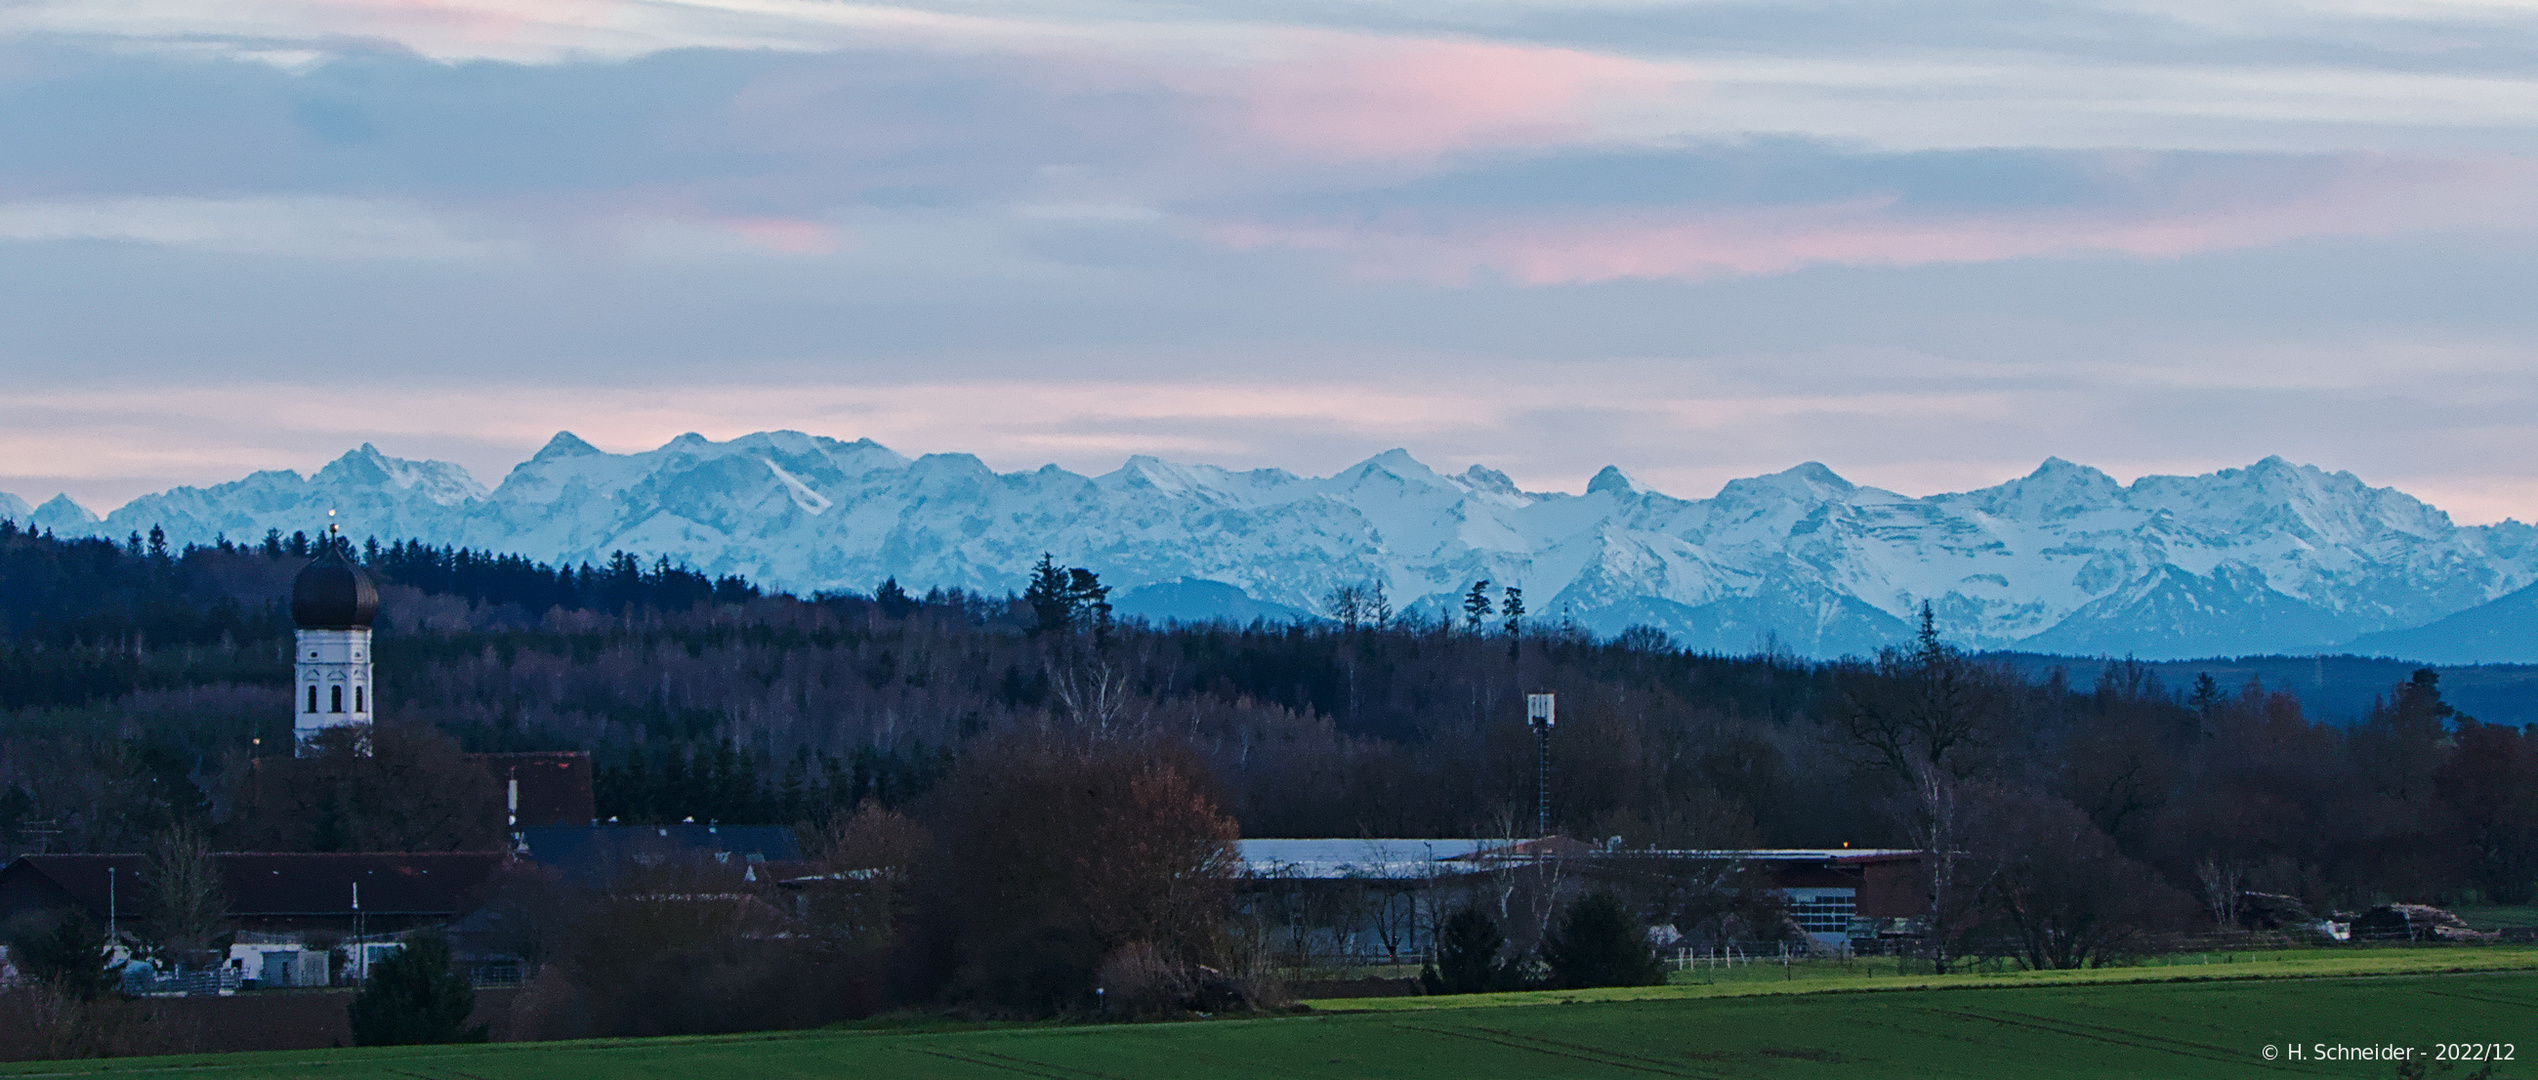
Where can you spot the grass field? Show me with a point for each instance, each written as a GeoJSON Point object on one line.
{"type": "Point", "coordinates": [2084, 1024]}
{"type": "Point", "coordinates": [1881, 974]}
{"type": "Point", "coordinates": [2497, 916]}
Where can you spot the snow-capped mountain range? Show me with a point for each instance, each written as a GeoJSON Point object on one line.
{"type": "Point", "coordinates": [2273, 557]}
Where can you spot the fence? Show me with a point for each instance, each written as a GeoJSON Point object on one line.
{"type": "Point", "coordinates": [1730, 955]}
{"type": "Point", "coordinates": [141, 981]}
{"type": "Point", "coordinates": [494, 974]}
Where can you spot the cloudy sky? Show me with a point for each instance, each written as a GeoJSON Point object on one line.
{"type": "Point", "coordinates": [1927, 244]}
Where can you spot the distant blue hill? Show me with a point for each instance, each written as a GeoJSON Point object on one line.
{"type": "Point", "coordinates": [1195, 600]}
{"type": "Point", "coordinates": [2501, 631]}
{"type": "Point", "coordinates": [2335, 689]}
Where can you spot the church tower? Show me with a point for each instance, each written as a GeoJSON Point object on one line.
{"type": "Point", "coordinates": [333, 601]}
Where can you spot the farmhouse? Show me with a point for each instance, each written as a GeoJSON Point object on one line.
{"type": "Point", "coordinates": [1382, 898]}
{"type": "Point", "coordinates": [291, 911]}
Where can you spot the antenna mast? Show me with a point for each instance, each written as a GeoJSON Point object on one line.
{"type": "Point", "coordinates": [1540, 712]}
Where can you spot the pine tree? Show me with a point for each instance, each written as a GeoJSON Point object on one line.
{"type": "Point", "coordinates": [2206, 700]}
{"type": "Point", "coordinates": [893, 600]}
{"type": "Point", "coordinates": [1476, 605]}
{"type": "Point", "coordinates": [1600, 944]}
{"type": "Point", "coordinates": [71, 957]}
{"type": "Point", "coordinates": [1467, 956]}
{"type": "Point", "coordinates": [413, 997]}
{"type": "Point", "coordinates": [1088, 601]}
{"type": "Point", "coordinates": [1048, 596]}
{"type": "Point", "coordinates": [1514, 608]}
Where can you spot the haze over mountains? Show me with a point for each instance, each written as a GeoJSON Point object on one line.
{"type": "Point", "coordinates": [2274, 557]}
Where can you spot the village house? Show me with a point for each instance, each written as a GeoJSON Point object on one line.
{"type": "Point", "coordinates": [298, 919]}
{"type": "Point", "coordinates": [1382, 899]}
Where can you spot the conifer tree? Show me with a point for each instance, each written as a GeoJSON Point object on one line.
{"type": "Point", "coordinates": [1514, 608]}
{"type": "Point", "coordinates": [71, 957]}
{"type": "Point", "coordinates": [1048, 596]}
{"type": "Point", "coordinates": [1088, 601]}
{"type": "Point", "coordinates": [1467, 956]}
{"type": "Point", "coordinates": [893, 600]}
{"type": "Point", "coordinates": [1476, 606]}
{"type": "Point", "coordinates": [413, 997]}
{"type": "Point", "coordinates": [1599, 944]}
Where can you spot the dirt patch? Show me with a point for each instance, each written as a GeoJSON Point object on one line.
{"type": "Point", "coordinates": [1802, 1055]}
{"type": "Point", "coordinates": [295, 1019]}
{"type": "Point", "coordinates": [1357, 988]}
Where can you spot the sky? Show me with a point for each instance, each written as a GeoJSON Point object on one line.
{"type": "Point", "coordinates": [1926, 244]}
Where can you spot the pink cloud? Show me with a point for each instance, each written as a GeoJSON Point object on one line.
{"type": "Point", "coordinates": [1355, 97]}
{"type": "Point", "coordinates": [2363, 197]}
{"type": "Point", "coordinates": [465, 25]}
{"type": "Point", "coordinates": [785, 236]}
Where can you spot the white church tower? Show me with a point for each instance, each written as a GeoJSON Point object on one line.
{"type": "Point", "coordinates": [333, 601]}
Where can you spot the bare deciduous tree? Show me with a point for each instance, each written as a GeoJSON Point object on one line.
{"type": "Point", "coordinates": [1918, 715]}
{"type": "Point", "coordinates": [1059, 849]}
{"type": "Point", "coordinates": [184, 902]}
{"type": "Point", "coordinates": [414, 792]}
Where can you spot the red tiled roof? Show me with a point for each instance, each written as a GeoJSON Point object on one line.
{"type": "Point", "coordinates": [285, 883]}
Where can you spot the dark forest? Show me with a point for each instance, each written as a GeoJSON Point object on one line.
{"type": "Point", "coordinates": [136, 682]}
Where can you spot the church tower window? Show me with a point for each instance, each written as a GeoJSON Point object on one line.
{"type": "Point", "coordinates": [333, 601]}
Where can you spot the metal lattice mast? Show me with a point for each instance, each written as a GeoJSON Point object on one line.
{"type": "Point", "coordinates": [1539, 712]}
{"type": "Point", "coordinates": [1542, 797]}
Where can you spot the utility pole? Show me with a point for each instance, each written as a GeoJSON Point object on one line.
{"type": "Point", "coordinates": [1539, 712]}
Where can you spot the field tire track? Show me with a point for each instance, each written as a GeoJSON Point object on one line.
{"type": "Point", "coordinates": [1009, 1063]}
{"type": "Point", "coordinates": [1571, 1051]}
{"type": "Point", "coordinates": [2109, 1036]}
{"type": "Point", "coordinates": [1583, 1048]}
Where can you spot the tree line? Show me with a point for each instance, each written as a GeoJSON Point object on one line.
{"type": "Point", "coordinates": [2067, 816]}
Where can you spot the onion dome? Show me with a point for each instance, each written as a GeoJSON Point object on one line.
{"type": "Point", "coordinates": [333, 594]}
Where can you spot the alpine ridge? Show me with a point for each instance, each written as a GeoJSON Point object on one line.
{"type": "Point", "coordinates": [2273, 557]}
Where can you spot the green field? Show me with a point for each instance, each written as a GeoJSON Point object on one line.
{"type": "Point", "coordinates": [2497, 916]}
{"type": "Point", "coordinates": [2168, 1021]}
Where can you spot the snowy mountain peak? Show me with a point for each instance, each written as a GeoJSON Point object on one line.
{"type": "Point", "coordinates": [1486, 479]}
{"type": "Point", "coordinates": [2057, 470]}
{"type": "Point", "coordinates": [2057, 490]}
{"type": "Point", "coordinates": [565, 444]}
{"type": "Point", "coordinates": [1810, 483]}
{"type": "Point", "coordinates": [1156, 473]}
{"type": "Point", "coordinates": [1612, 479]}
{"type": "Point", "coordinates": [64, 517]}
{"type": "Point", "coordinates": [1816, 474]}
{"type": "Point", "coordinates": [1396, 463]}
{"type": "Point", "coordinates": [440, 481]}
{"type": "Point", "coordinates": [2270, 557]}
